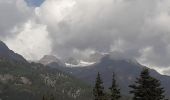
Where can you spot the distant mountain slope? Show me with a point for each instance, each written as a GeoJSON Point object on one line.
{"type": "Point", "coordinates": [20, 80]}
{"type": "Point", "coordinates": [48, 59]}
{"type": "Point", "coordinates": [32, 81]}
{"type": "Point", "coordinates": [6, 53]}
{"type": "Point", "coordinates": [126, 72]}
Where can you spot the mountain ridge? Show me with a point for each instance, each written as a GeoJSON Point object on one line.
{"type": "Point", "coordinates": [6, 53]}
{"type": "Point", "coordinates": [20, 80]}
{"type": "Point", "coordinates": [126, 72]}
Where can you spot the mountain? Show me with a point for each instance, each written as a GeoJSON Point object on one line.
{"type": "Point", "coordinates": [95, 57]}
{"type": "Point", "coordinates": [126, 71]}
{"type": "Point", "coordinates": [6, 53]}
{"type": "Point", "coordinates": [49, 59]}
{"type": "Point", "coordinates": [72, 62]}
{"type": "Point", "coordinates": [31, 81]}
{"type": "Point", "coordinates": [55, 62]}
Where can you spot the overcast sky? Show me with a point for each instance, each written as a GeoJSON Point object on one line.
{"type": "Point", "coordinates": [137, 29]}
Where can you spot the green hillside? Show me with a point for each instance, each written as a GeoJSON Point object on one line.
{"type": "Point", "coordinates": [20, 81]}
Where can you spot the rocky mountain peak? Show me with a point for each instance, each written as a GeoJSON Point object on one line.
{"type": "Point", "coordinates": [48, 59]}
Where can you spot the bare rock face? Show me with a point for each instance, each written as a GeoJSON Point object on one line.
{"type": "Point", "coordinates": [72, 60]}
{"type": "Point", "coordinates": [48, 59]}
{"type": "Point", "coordinates": [6, 78]}
{"type": "Point", "coordinates": [96, 57]}
{"type": "Point", "coordinates": [25, 81]}
{"type": "Point", "coordinates": [10, 78]}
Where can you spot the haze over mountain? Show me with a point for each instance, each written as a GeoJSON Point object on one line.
{"type": "Point", "coordinates": [26, 74]}
{"type": "Point", "coordinates": [126, 71]}
{"type": "Point", "coordinates": [20, 80]}
{"type": "Point", "coordinates": [137, 29]}
{"type": "Point", "coordinates": [47, 59]}
{"type": "Point", "coordinates": [58, 46]}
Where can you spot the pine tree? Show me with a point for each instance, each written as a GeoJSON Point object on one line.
{"type": "Point", "coordinates": [115, 92]}
{"type": "Point", "coordinates": [147, 88]}
{"type": "Point", "coordinates": [48, 97]}
{"type": "Point", "coordinates": [43, 98]}
{"type": "Point", "coordinates": [52, 97]}
{"type": "Point", "coordinates": [98, 90]}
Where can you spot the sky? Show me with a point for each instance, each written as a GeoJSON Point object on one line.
{"type": "Point", "coordinates": [34, 3]}
{"type": "Point", "coordinates": [134, 29]}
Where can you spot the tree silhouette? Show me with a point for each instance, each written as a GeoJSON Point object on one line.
{"type": "Point", "coordinates": [114, 91]}
{"type": "Point", "coordinates": [147, 87]}
{"type": "Point", "coordinates": [98, 90]}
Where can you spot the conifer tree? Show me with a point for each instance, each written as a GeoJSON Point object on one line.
{"type": "Point", "coordinates": [43, 98]}
{"type": "Point", "coordinates": [52, 97]}
{"type": "Point", "coordinates": [98, 90]}
{"type": "Point", "coordinates": [48, 97]}
{"type": "Point", "coordinates": [147, 87]}
{"type": "Point", "coordinates": [114, 91]}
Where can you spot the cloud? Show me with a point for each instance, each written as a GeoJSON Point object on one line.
{"type": "Point", "coordinates": [134, 28]}
{"type": "Point", "coordinates": [20, 30]}
{"type": "Point", "coordinates": [34, 3]}
{"type": "Point", "coordinates": [31, 41]}
{"type": "Point", "coordinates": [13, 13]}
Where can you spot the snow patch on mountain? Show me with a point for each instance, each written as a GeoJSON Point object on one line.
{"type": "Point", "coordinates": [80, 64]}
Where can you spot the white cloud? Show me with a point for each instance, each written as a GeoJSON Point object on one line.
{"type": "Point", "coordinates": [21, 32]}
{"type": "Point", "coordinates": [129, 26]}
{"type": "Point", "coordinates": [12, 13]}
{"type": "Point", "coordinates": [137, 29]}
{"type": "Point", "coordinates": [31, 41]}
{"type": "Point", "coordinates": [54, 11]}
